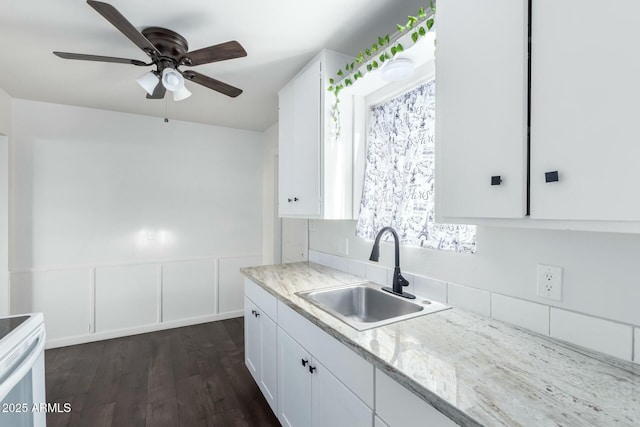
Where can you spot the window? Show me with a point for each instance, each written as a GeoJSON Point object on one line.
{"type": "Point", "coordinates": [398, 187]}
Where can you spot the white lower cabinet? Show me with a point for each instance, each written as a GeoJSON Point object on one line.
{"type": "Point", "coordinates": [398, 407]}
{"type": "Point", "coordinates": [261, 351]}
{"type": "Point", "coordinates": [310, 395]}
{"type": "Point", "coordinates": [310, 379]}
{"type": "Point", "coordinates": [333, 404]}
{"type": "Point", "coordinates": [294, 382]}
{"type": "Point", "coordinates": [260, 341]}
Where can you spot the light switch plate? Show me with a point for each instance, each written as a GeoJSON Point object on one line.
{"type": "Point", "coordinates": [549, 282]}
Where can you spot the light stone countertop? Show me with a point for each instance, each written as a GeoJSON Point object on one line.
{"type": "Point", "coordinates": [475, 370]}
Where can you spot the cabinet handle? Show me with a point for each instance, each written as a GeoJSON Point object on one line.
{"type": "Point", "coordinates": [304, 362]}
{"type": "Point", "coordinates": [312, 368]}
{"type": "Point", "coordinates": [289, 200]}
{"type": "Point", "coordinates": [295, 199]}
{"type": "Point", "coordinates": [551, 176]}
{"type": "Point", "coordinates": [253, 312]}
{"type": "Point", "coordinates": [496, 180]}
{"type": "Point", "coordinates": [257, 314]}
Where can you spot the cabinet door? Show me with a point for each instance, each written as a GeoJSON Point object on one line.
{"type": "Point", "coordinates": [584, 110]}
{"type": "Point", "coordinates": [251, 339]}
{"type": "Point", "coordinates": [268, 360]}
{"type": "Point", "coordinates": [260, 346]}
{"type": "Point", "coordinates": [481, 108]}
{"type": "Point", "coordinates": [286, 151]}
{"type": "Point", "coordinates": [307, 119]}
{"type": "Point", "coordinates": [333, 404]}
{"type": "Point", "coordinates": [399, 407]}
{"type": "Point", "coordinates": [294, 383]}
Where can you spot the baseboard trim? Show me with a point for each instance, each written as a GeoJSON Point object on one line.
{"type": "Point", "coordinates": [83, 339]}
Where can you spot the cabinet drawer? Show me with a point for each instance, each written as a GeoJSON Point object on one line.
{"type": "Point", "coordinates": [263, 299]}
{"type": "Point", "coordinates": [399, 407]}
{"type": "Point", "coordinates": [353, 371]}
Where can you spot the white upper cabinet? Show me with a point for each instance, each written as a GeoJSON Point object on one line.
{"type": "Point", "coordinates": [585, 92]}
{"type": "Point", "coordinates": [481, 108]}
{"type": "Point", "coordinates": [583, 113]}
{"type": "Point", "coordinates": [315, 162]}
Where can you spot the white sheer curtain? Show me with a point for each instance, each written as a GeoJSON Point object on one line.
{"type": "Point", "coordinates": [399, 175]}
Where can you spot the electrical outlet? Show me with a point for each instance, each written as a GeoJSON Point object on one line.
{"type": "Point", "coordinates": [550, 282]}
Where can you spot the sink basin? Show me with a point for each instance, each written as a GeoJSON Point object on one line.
{"type": "Point", "coordinates": [366, 306]}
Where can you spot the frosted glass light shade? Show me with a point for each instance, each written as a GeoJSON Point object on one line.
{"type": "Point", "coordinates": [172, 80]}
{"type": "Point", "coordinates": [148, 81]}
{"type": "Point", "coordinates": [397, 69]}
{"type": "Point", "coordinates": [180, 94]}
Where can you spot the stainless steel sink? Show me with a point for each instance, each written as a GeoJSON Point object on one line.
{"type": "Point", "coordinates": [367, 306]}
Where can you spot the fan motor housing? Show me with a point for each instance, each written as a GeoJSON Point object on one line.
{"type": "Point", "coordinates": [168, 42]}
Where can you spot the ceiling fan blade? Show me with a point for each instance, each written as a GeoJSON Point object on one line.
{"type": "Point", "coordinates": [212, 83]}
{"type": "Point", "coordinates": [112, 15]}
{"type": "Point", "coordinates": [158, 92]}
{"type": "Point", "coordinates": [219, 52]}
{"type": "Point", "coordinates": [83, 57]}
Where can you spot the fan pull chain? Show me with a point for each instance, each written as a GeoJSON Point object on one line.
{"type": "Point", "coordinates": [166, 114]}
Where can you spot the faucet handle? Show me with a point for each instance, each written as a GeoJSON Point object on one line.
{"type": "Point", "coordinates": [403, 281]}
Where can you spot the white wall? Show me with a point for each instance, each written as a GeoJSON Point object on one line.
{"type": "Point", "coordinates": [95, 191]}
{"type": "Point", "coordinates": [5, 132]}
{"type": "Point", "coordinates": [269, 165]}
{"type": "Point", "coordinates": [601, 275]}
{"type": "Point", "coordinates": [4, 225]}
{"type": "Point", "coordinates": [87, 182]}
{"type": "Point", "coordinates": [5, 113]}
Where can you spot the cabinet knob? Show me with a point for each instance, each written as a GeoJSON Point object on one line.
{"type": "Point", "coordinates": [496, 180]}
{"type": "Point", "coordinates": [304, 362]}
{"type": "Point", "coordinates": [312, 368]}
{"type": "Point", "coordinates": [551, 176]}
{"type": "Point", "coordinates": [257, 314]}
{"type": "Point", "coordinates": [289, 200]}
{"type": "Point", "coordinates": [253, 312]}
{"type": "Point", "coordinates": [295, 199]}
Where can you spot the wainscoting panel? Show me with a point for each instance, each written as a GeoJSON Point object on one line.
{"type": "Point", "coordinates": [126, 296]}
{"type": "Point", "coordinates": [95, 302]}
{"type": "Point", "coordinates": [230, 282]}
{"type": "Point", "coordinates": [63, 296]}
{"type": "Point", "coordinates": [188, 289]}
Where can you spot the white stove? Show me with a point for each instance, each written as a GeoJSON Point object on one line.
{"type": "Point", "coordinates": [22, 381]}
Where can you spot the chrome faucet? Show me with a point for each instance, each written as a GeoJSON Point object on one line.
{"type": "Point", "coordinates": [398, 281]}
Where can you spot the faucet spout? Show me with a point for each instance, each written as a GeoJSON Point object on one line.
{"type": "Point", "coordinates": [398, 281]}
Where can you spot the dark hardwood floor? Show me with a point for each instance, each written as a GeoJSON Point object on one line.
{"type": "Point", "coordinates": [192, 376]}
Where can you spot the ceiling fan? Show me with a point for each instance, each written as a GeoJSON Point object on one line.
{"type": "Point", "coordinates": [167, 50]}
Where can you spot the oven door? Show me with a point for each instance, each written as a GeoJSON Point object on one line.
{"type": "Point", "coordinates": [22, 391]}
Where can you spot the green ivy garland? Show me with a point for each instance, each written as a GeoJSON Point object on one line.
{"type": "Point", "coordinates": [349, 75]}
{"type": "Point", "coordinates": [375, 56]}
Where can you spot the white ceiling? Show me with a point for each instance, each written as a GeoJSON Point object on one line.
{"type": "Point", "coordinates": [280, 36]}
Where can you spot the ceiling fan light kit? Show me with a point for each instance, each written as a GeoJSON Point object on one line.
{"type": "Point", "coordinates": [167, 50]}
{"type": "Point", "coordinates": [148, 81]}
{"type": "Point", "coordinates": [180, 94]}
{"type": "Point", "coordinates": [172, 80]}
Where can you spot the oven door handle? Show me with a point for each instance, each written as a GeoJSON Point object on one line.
{"type": "Point", "coordinates": [28, 360]}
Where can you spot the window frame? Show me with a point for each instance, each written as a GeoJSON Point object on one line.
{"type": "Point", "coordinates": [361, 121]}
{"type": "Point", "coordinates": [362, 127]}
